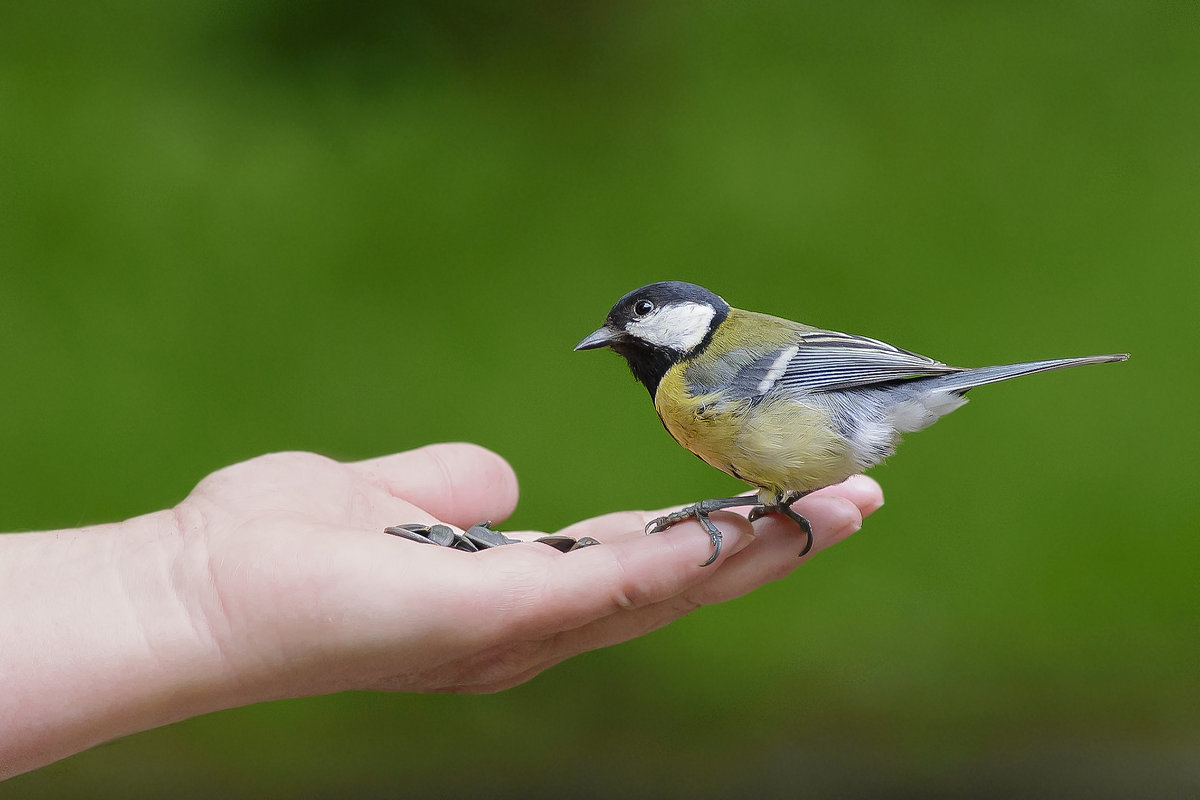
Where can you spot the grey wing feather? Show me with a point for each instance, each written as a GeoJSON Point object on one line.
{"type": "Point", "coordinates": [827, 361]}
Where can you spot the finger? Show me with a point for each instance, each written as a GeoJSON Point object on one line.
{"type": "Point", "coordinates": [778, 542]}
{"type": "Point", "coordinates": [608, 526]}
{"type": "Point", "coordinates": [458, 483]}
{"type": "Point", "coordinates": [864, 492]}
{"type": "Point", "coordinates": [610, 630]}
{"type": "Point", "coordinates": [619, 523]}
{"type": "Point", "coordinates": [770, 554]}
{"type": "Point", "coordinates": [861, 490]}
{"type": "Point", "coordinates": [834, 514]}
{"type": "Point", "coordinates": [545, 592]}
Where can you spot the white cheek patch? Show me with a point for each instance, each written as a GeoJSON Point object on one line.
{"type": "Point", "coordinates": [679, 327]}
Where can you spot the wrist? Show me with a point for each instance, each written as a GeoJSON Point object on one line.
{"type": "Point", "coordinates": [101, 638]}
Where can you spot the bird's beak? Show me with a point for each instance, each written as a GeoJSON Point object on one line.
{"type": "Point", "coordinates": [603, 337]}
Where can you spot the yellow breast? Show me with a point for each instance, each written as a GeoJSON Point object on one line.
{"type": "Point", "coordinates": [778, 444]}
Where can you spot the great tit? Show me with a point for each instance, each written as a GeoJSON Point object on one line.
{"type": "Point", "coordinates": [785, 407]}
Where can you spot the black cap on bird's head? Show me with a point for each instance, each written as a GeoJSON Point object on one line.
{"type": "Point", "coordinates": [657, 325]}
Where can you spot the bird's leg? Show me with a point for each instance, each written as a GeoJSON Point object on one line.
{"type": "Point", "coordinates": [783, 505]}
{"type": "Point", "coordinates": [700, 512]}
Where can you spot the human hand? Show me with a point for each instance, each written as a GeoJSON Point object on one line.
{"type": "Point", "coordinates": [274, 578]}
{"type": "Point", "coordinates": [301, 592]}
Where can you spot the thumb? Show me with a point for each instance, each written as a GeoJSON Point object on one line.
{"type": "Point", "coordinates": [459, 483]}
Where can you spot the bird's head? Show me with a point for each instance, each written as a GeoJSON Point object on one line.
{"type": "Point", "coordinates": [656, 326]}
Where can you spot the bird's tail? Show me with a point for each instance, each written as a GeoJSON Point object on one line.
{"type": "Point", "coordinates": [967, 379]}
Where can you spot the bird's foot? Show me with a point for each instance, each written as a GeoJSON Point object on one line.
{"type": "Point", "coordinates": [478, 537]}
{"type": "Point", "coordinates": [783, 505]}
{"type": "Point", "coordinates": [700, 512]}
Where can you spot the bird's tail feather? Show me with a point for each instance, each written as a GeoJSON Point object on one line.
{"type": "Point", "coordinates": [970, 378]}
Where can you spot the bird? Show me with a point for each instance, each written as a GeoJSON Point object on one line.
{"type": "Point", "coordinates": [785, 407]}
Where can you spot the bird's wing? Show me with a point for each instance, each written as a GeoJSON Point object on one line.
{"type": "Point", "coordinates": [823, 361]}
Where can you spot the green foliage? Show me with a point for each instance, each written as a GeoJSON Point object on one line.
{"type": "Point", "coordinates": [231, 228]}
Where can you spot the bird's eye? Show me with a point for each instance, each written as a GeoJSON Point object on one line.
{"type": "Point", "coordinates": [643, 307]}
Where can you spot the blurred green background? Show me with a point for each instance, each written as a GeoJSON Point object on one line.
{"type": "Point", "coordinates": [228, 228]}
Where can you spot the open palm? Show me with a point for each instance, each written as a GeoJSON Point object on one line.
{"type": "Point", "coordinates": [300, 592]}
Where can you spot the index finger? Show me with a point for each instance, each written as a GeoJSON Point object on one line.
{"type": "Point", "coordinates": [864, 492]}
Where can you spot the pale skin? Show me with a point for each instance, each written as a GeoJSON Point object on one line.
{"type": "Point", "coordinates": [273, 579]}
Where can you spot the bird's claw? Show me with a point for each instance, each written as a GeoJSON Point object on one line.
{"type": "Point", "coordinates": [478, 537]}
{"type": "Point", "coordinates": [698, 512]}
{"type": "Point", "coordinates": [784, 507]}
{"type": "Point", "coordinates": [660, 524]}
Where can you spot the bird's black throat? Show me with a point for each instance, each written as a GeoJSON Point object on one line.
{"type": "Point", "coordinates": [647, 362]}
